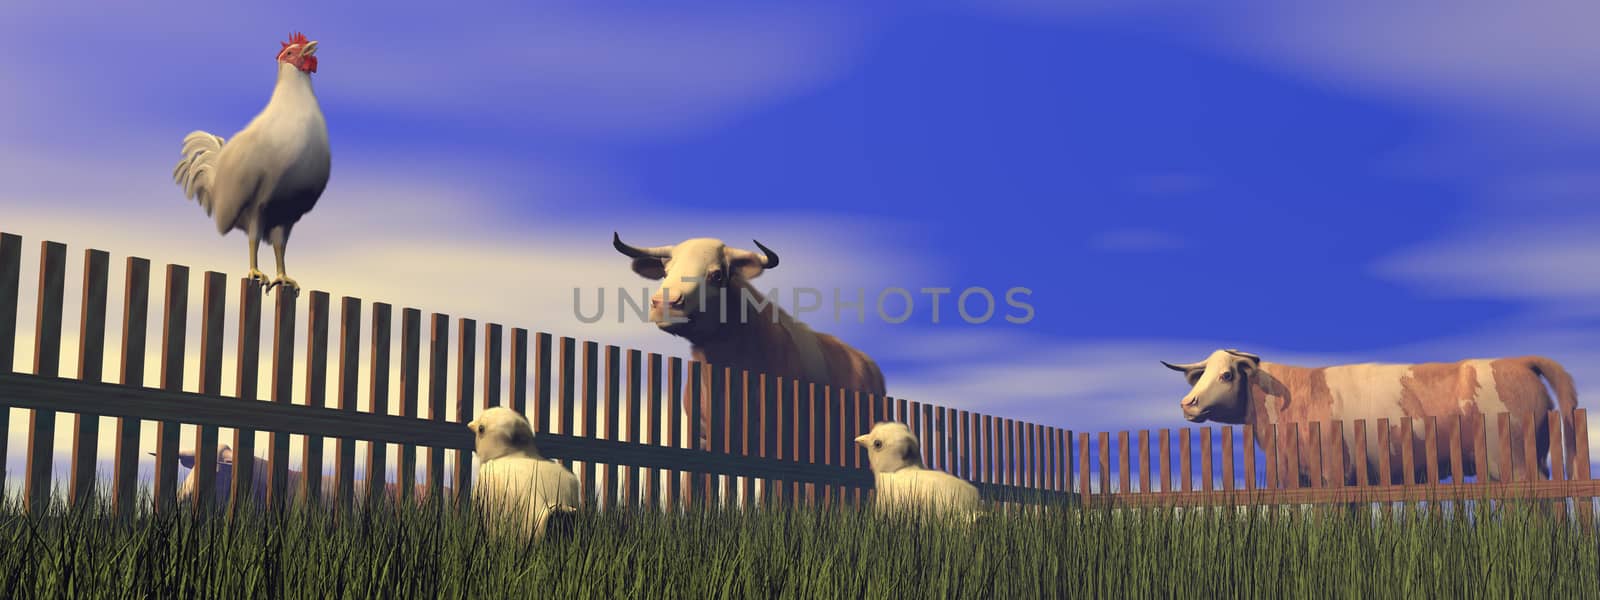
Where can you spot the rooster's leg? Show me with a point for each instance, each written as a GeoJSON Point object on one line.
{"type": "Point", "coordinates": [255, 274]}
{"type": "Point", "coordinates": [279, 241]}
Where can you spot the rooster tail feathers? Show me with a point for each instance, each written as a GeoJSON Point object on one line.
{"type": "Point", "coordinates": [193, 171]}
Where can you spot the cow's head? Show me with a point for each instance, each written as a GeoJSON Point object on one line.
{"type": "Point", "coordinates": [697, 277]}
{"type": "Point", "coordinates": [1220, 386]}
{"type": "Point", "coordinates": [500, 431]}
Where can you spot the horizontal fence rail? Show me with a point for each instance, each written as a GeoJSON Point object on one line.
{"type": "Point", "coordinates": [616, 417]}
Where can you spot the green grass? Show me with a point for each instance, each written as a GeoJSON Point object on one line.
{"type": "Point", "coordinates": [403, 551]}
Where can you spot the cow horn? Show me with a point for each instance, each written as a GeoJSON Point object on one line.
{"type": "Point", "coordinates": [1184, 368]}
{"type": "Point", "coordinates": [637, 252]}
{"type": "Point", "coordinates": [769, 258]}
{"type": "Point", "coordinates": [1239, 354]}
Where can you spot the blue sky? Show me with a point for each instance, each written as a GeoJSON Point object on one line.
{"type": "Point", "coordinates": [1347, 183]}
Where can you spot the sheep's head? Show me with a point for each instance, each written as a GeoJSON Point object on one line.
{"type": "Point", "coordinates": [891, 447]}
{"type": "Point", "coordinates": [501, 431]}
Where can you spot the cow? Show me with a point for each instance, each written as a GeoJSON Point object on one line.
{"type": "Point", "coordinates": [223, 481]}
{"type": "Point", "coordinates": [1237, 387]}
{"type": "Point", "coordinates": [698, 276]}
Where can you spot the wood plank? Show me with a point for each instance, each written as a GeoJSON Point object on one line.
{"type": "Point", "coordinates": [517, 381]}
{"type": "Point", "coordinates": [1065, 462]}
{"type": "Point", "coordinates": [1503, 429]}
{"type": "Point", "coordinates": [466, 359]}
{"type": "Point", "coordinates": [247, 380]}
{"type": "Point", "coordinates": [175, 319]}
{"type": "Point", "coordinates": [1227, 457]}
{"type": "Point", "coordinates": [1103, 460]}
{"type": "Point", "coordinates": [1530, 445]}
{"type": "Point", "coordinates": [674, 415]}
{"type": "Point", "coordinates": [1274, 463]}
{"type": "Point", "coordinates": [492, 364]}
{"type": "Point", "coordinates": [1165, 460]}
{"type": "Point", "coordinates": [800, 431]}
{"type": "Point", "coordinates": [1333, 454]}
{"type": "Point", "coordinates": [211, 337]}
{"type": "Point", "coordinates": [344, 459]}
{"type": "Point", "coordinates": [1408, 459]}
{"type": "Point", "coordinates": [1430, 440]}
{"type": "Point", "coordinates": [635, 429]}
{"type": "Point", "coordinates": [1457, 462]}
{"type": "Point", "coordinates": [699, 373]}
{"type": "Point", "coordinates": [1385, 454]}
{"type": "Point", "coordinates": [1083, 466]}
{"type": "Point", "coordinates": [1205, 459]}
{"type": "Point", "coordinates": [1558, 459]}
{"type": "Point", "coordinates": [652, 430]}
{"type": "Point", "coordinates": [47, 362]}
{"type": "Point", "coordinates": [1314, 465]}
{"type": "Point", "coordinates": [410, 396]}
{"type": "Point", "coordinates": [317, 318]}
{"type": "Point", "coordinates": [283, 321]}
{"type": "Point", "coordinates": [544, 382]}
{"type": "Point", "coordinates": [566, 402]}
{"type": "Point", "coordinates": [1185, 456]}
{"type": "Point", "coordinates": [1124, 460]}
{"type": "Point", "coordinates": [10, 286]}
{"type": "Point", "coordinates": [1481, 461]}
{"type": "Point", "coordinates": [438, 390]}
{"type": "Point", "coordinates": [378, 395]}
{"type": "Point", "coordinates": [1249, 440]}
{"type": "Point", "coordinates": [992, 458]}
{"type": "Point", "coordinates": [613, 427]}
{"type": "Point", "coordinates": [1144, 461]}
{"type": "Point", "coordinates": [1292, 467]}
{"type": "Point", "coordinates": [588, 472]}
{"type": "Point", "coordinates": [807, 421]}
{"type": "Point", "coordinates": [1359, 454]}
{"type": "Point", "coordinates": [91, 367]}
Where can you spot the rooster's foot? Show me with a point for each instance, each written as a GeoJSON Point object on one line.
{"type": "Point", "coordinates": [260, 279]}
{"type": "Point", "coordinates": [284, 281]}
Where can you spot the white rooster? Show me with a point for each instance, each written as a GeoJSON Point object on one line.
{"type": "Point", "coordinates": [272, 172]}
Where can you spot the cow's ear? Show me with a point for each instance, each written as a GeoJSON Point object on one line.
{"type": "Point", "coordinates": [747, 268]}
{"type": "Point", "coordinates": [650, 267]}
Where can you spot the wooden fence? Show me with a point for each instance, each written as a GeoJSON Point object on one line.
{"type": "Point", "coordinates": [1337, 468]}
{"type": "Point", "coordinates": [612, 415]}
{"type": "Point", "coordinates": [615, 416]}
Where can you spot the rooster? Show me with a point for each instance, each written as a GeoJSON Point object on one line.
{"type": "Point", "coordinates": [273, 171]}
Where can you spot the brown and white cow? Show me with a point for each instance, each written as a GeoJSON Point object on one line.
{"type": "Point", "coordinates": [1238, 387]}
{"type": "Point", "coordinates": [702, 275]}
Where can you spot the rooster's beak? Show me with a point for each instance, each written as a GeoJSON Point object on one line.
{"type": "Point", "coordinates": [310, 49]}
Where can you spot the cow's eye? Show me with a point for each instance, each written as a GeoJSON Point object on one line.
{"type": "Point", "coordinates": [1228, 376]}
{"type": "Point", "coordinates": [715, 277]}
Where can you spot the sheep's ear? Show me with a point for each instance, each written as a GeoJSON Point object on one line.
{"type": "Point", "coordinates": [186, 459]}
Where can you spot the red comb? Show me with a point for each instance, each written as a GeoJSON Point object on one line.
{"type": "Point", "coordinates": [295, 38]}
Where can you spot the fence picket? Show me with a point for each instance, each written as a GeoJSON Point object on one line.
{"type": "Point", "coordinates": [10, 284]}
{"type": "Point", "coordinates": [47, 363]}
{"type": "Point", "coordinates": [438, 386]}
{"type": "Point", "coordinates": [344, 460]}
{"type": "Point", "coordinates": [1185, 457]}
{"type": "Point", "coordinates": [410, 395]}
{"type": "Point", "coordinates": [466, 370]}
{"type": "Point", "coordinates": [248, 378]}
{"type": "Point", "coordinates": [173, 333]}
{"type": "Point", "coordinates": [1227, 457]}
{"type": "Point", "coordinates": [91, 364]}
{"type": "Point", "coordinates": [1205, 459]}
{"type": "Point", "coordinates": [283, 321]}
{"type": "Point", "coordinates": [631, 481]}
{"type": "Point", "coordinates": [378, 395]}
{"type": "Point", "coordinates": [316, 392]}
{"type": "Point", "coordinates": [1249, 440]}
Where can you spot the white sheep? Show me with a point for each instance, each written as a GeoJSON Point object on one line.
{"type": "Point", "coordinates": [903, 484]}
{"type": "Point", "coordinates": [515, 484]}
